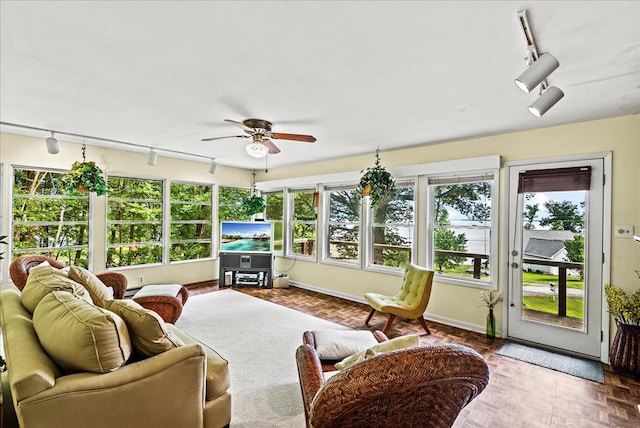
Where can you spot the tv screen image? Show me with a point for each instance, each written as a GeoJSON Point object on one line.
{"type": "Point", "coordinates": [246, 237]}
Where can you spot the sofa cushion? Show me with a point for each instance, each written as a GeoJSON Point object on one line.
{"type": "Point", "coordinates": [80, 336]}
{"type": "Point", "coordinates": [96, 288]}
{"type": "Point", "coordinates": [381, 348]}
{"type": "Point", "coordinates": [44, 279]}
{"type": "Point", "coordinates": [148, 332]}
{"type": "Point", "coordinates": [335, 344]}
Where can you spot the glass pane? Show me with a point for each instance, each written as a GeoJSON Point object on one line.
{"type": "Point", "coordinates": [553, 283]}
{"type": "Point", "coordinates": [181, 212]}
{"type": "Point", "coordinates": [50, 236]}
{"type": "Point", "coordinates": [189, 251]}
{"type": "Point", "coordinates": [191, 192]}
{"type": "Point", "coordinates": [134, 233]}
{"type": "Point", "coordinates": [134, 188]}
{"type": "Point", "coordinates": [66, 256]}
{"type": "Point", "coordinates": [274, 206]}
{"type": "Point", "coordinates": [343, 242]}
{"type": "Point", "coordinates": [183, 232]}
{"type": "Point", "coordinates": [344, 205]}
{"type": "Point", "coordinates": [133, 255]}
{"type": "Point", "coordinates": [304, 238]}
{"type": "Point", "coordinates": [303, 207]}
{"type": "Point", "coordinates": [277, 236]}
{"type": "Point", "coordinates": [399, 210]}
{"type": "Point", "coordinates": [44, 209]}
{"type": "Point", "coordinates": [135, 211]}
{"type": "Point", "coordinates": [230, 200]}
{"type": "Point", "coordinates": [392, 246]}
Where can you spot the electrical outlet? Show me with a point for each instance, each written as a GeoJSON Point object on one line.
{"type": "Point", "coordinates": [623, 231]}
{"type": "Point", "coordinates": [140, 280]}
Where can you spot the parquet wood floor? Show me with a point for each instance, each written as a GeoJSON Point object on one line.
{"type": "Point", "coordinates": [519, 394]}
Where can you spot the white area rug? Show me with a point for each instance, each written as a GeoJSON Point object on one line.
{"type": "Point", "coordinates": [259, 339]}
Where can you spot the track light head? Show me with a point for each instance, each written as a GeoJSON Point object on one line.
{"type": "Point", "coordinates": [213, 166]}
{"type": "Point", "coordinates": [547, 100]}
{"type": "Point", "coordinates": [537, 72]}
{"type": "Point", "coordinates": [152, 158]}
{"type": "Point", "coordinates": [52, 145]}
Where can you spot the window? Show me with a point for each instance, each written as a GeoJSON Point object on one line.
{"type": "Point", "coordinates": [303, 222]}
{"type": "Point", "coordinates": [191, 221]}
{"type": "Point", "coordinates": [47, 222]}
{"type": "Point", "coordinates": [230, 204]}
{"type": "Point", "coordinates": [463, 233]}
{"type": "Point", "coordinates": [134, 221]}
{"type": "Point", "coordinates": [391, 231]}
{"type": "Point", "coordinates": [274, 212]}
{"type": "Point", "coordinates": [342, 224]}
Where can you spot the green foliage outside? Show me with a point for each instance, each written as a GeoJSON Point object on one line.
{"type": "Point", "coordinates": [304, 223]}
{"type": "Point", "coordinates": [274, 211]}
{"type": "Point", "coordinates": [230, 204]}
{"type": "Point", "coordinates": [575, 306]}
{"type": "Point", "coordinates": [191, 214]}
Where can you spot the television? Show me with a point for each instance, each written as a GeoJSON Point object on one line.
{"type": "Point", "coordinates": [246, 237]}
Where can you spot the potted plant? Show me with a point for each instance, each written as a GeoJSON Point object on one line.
{"type": "Point", "coordinates": [84, 177]}
{"type": "Point", "coordinates": [377, 183]}
{"type": "Point", "coordinates": [253, 204]}
{"type": "Point", "coordinates": [624, 355]}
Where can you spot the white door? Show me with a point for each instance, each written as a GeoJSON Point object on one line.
{"type": "Point", "coordinates": [555, 299]}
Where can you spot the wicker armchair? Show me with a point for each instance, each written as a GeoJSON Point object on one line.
{"type": "Point", "coordinates": [19, 271]}
{"type": "Point", "coordinates": [424, 386]}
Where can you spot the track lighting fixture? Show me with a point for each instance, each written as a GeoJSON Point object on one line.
{"type": "Point", "coordinates": [256, 150]}
{"type": "Point", "coordinates": [214, 165]}
{"type": "Point", "coordinates": [52, 145]}
{"type": "Point", "coordinates": [152, 158]}
{"type": "Point", "coordinates": [547, 100]}
{"type": "Point", "coordinates": [537, 72]}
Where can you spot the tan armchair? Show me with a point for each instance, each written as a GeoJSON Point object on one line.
{"type": "Point", "coordinates": [19, 271]}
{"type": "Point", "coordinates": [410, 302]}
{"type": "Point", "coordinates": [425, 386]}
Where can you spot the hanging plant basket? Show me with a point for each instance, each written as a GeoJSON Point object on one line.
{"type": "Point", "coordinates": [377, 183]}
{"type": "Point", "coordinates": [253, 205]}
{"type": "Point", "coordinates": [84, 177]}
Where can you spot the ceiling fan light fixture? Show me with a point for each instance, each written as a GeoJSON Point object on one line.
{"type": "Point", "coordinates": [52, 145]}
{"type": "Point", "coordinates": [256, 150]}
{"type": "Point", "coordinates": [547, 100]}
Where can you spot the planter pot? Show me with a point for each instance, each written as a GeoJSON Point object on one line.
{"type": "Point", "coordinates": [366, 191]}
{"type": "Point", "coordinates": [624, 355]}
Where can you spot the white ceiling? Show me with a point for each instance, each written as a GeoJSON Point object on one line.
{"type": "Point", "coordinates": [357, 75]}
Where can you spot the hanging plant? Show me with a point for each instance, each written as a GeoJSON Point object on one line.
{"type": "Point", "coordinates": [377, 183]}
{"type": "Point", "coordinates": [84, 177]}
{"type": "Point", "coordinates": [253, 204]}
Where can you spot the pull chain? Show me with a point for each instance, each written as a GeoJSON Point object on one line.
{"type": "Point", "coordinates": [84, 150]}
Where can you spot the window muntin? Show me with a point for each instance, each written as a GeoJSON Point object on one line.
{"type": "Point", "coordinates": [303, 233]}
{"type": "Point", "coordinates": [342, 224]}
{"type": "Point", "coordinates": [191, 231]}
{"type": "Point", "coordinates": [392, 227]}
{"type": "Point", "coordinates": [134, 221]}
{"type": "Point", "coordinates": [463, 226]}
{"type": "Point", "coordinates": [274, 212]}
{"type": "Point", "coordinates": [47, 221]}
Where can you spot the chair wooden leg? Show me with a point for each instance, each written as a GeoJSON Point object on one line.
{"type": "Point", "coordinates": [370, 316]}
{"type": "Point", "coordinates": [388, 324]}
{"type": "Point", "coordinates": [424, 324]}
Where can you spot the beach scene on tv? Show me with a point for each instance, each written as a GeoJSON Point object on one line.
{"type": "Point", "coordinates": [249, 237]}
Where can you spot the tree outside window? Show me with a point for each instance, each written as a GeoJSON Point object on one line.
{"type": "Point", "coordinates": [274, 212]}
{"type": "Point", "coordinates": [46, 221]}
{"type": "Point", "coordinates": [191, 221]}
{"type": "Point", "coordinates": [343, 224]}
{"type": "Point", "coordinates": [230, 204]}
{"type": "Point", "coordinates": [303, 223]}
{"type": "Point", "coordinates": [134, 221]}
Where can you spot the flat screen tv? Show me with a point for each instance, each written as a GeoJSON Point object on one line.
{"type": "Point", "coordinates": [246, 236]}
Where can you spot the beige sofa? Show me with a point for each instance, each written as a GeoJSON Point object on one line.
{"type": "Point", "coordinates": [186, 386]}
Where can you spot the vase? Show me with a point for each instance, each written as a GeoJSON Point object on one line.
{"type": "Point", "coordinates": [491, 325]}
{"type": "Point", "coordinates": [624, 355]}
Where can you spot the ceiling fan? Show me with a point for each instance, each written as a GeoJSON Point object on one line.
{"type": "Point", "coordinates": [260, 132]}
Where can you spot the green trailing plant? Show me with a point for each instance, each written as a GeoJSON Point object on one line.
{"type": "Point", "coordinates": [624, 308]}
{"type": "Point", "coordinates": [253, 204]}
{"type": "Point", "coordinates": [377, 183]}
{"type": "Point", "coordinates": [84, 177]}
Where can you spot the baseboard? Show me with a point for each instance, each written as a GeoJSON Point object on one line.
{"type": "Point", "coordinates": [431, 317]}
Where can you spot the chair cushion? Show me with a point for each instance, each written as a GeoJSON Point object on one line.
{"type": "Point", "coordinates": [96, 288]}
{"type": "Point", "coordinates": [380, 348]}
{"type": "Point", "coordinates": [148, 332]}
{"type": "Point", "coordinates": [335, 344]}
{"type": "Point", "coordinates": [80, 336]}
{"type": "Point", "coordinates": [44, 279]}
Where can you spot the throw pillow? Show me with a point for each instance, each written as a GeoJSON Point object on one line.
{"type": "Point", "coordinates": [337, 344]}
{"type": "Point", "coordinates": [44, 279]}
{"type": "Point", "coordinates": [149, 334]}
{"type": "Point", "coordinates": [97, 289]}
{"type": "Point", "coordinates": [79, 336]}
{"type": "Point", "coordinates": [381, 348]}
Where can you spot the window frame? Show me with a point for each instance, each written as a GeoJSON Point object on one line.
{"type": "Point", "coordinates": [463, 178]}
{"type": "Point", "coordinates": [326, 224]}
{"type": "Point", "coordinates": [265, 194]}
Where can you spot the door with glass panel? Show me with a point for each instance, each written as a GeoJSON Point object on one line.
{"type": "Point", "coordinates": [555, 255]}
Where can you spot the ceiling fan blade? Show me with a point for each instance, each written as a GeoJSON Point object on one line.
{"type": "Point", "coordinates": [273, 149]}
{"type": "Point", "coordinates": [295, 137]}
{"type": "Point", "coordinates": [220, 138]}
{"type": "Point", "coordinates": [239, 124]}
